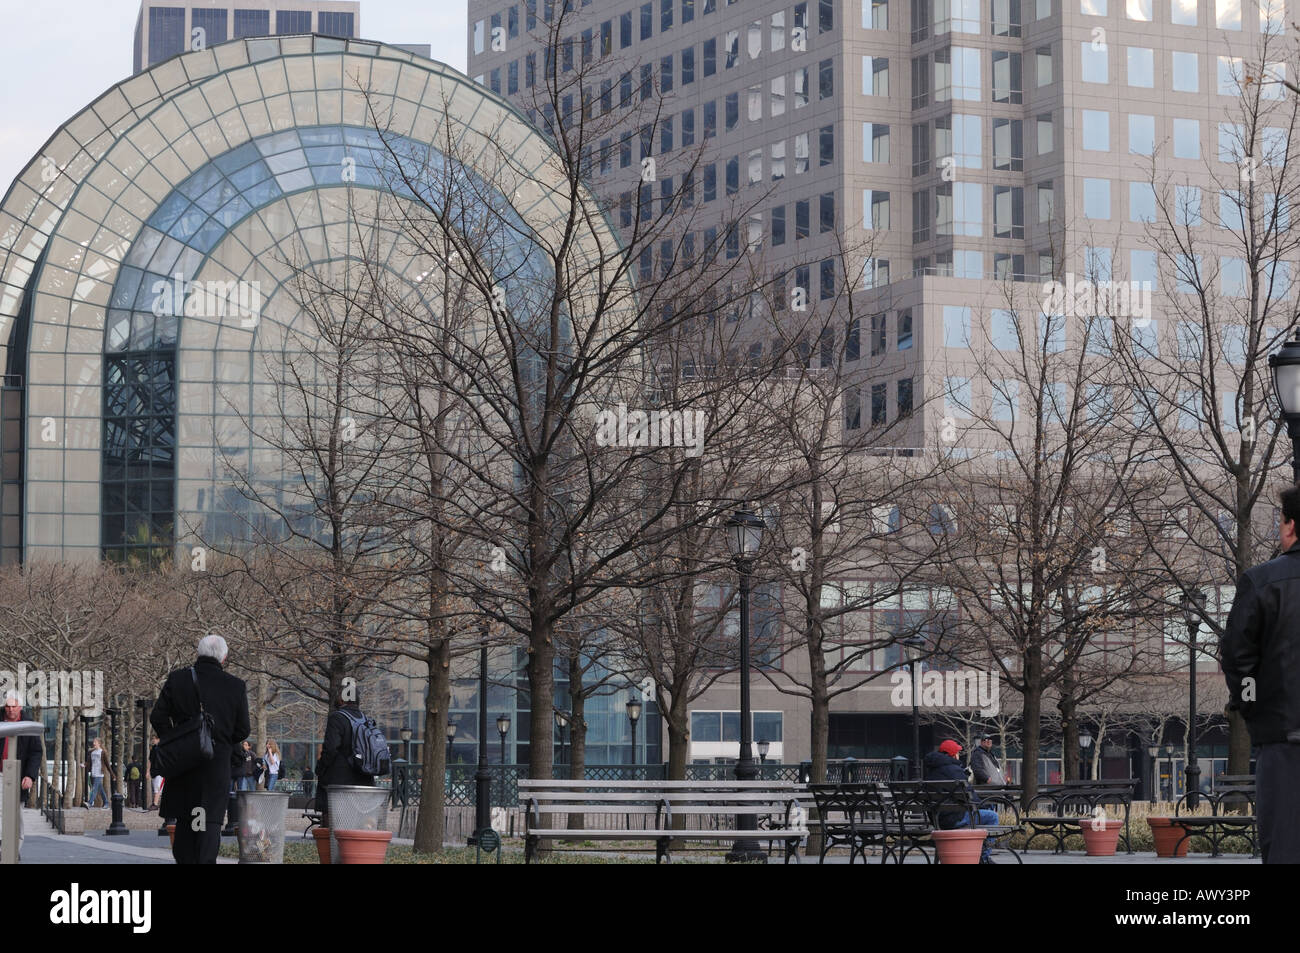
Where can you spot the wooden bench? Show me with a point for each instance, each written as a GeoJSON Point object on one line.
{"type": "Point", "coordinates": [1071, 804]}
{"type": "Point", "coordinates": [1232, 814]}
{"type": "Point", "coordinates": [661, 803]}
{"type": "Point", "coordinates": [917, 808]}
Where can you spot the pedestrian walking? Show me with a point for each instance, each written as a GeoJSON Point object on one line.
{"type": "Point", "coordinates": [96, 774]}
{"type": "Point", "coordinates": [204, 685]}
{"type": "Point", "coordinates": [244, 768]}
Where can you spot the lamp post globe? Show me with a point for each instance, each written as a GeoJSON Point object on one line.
{"type": "Point", "coordinates": [633, 716]}
{"type": "Point", "coordinates": [1285, 363]}
{"type": "Point", "coordinates": [744, 530]}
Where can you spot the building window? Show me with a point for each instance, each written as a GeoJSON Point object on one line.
{"type": "Point", "coordinates": [1141, 202]}
{"type": "Point", "coordinates": [1096, 130]}
{"type": "Point", "coordinates": [827, 216]}
{"type": "Point", "coordinates": [957, 74]}
{"type": "Point", "coordinates": [875, 14]}
{"type": "Point", "coordinates": [778, 225]}
{"type": "Point", "coordinates": [1008, 211]}
{"type": "Point", "coordinates": [1183, 12]}
{"type": "Point", "coordinates": [826, 145]}
{"type": "Point", "coordinates": [956, 325]}
{"type": "Point", "coordinates": [878, 346]}
{"type": "Point", "coordinates": [732, 111]}
{"type": "Point", "coordinates": [875, 209]}
{"type": "Point", "coordinates": [1044, 127]}
{"type": "Point", "coordinates": [1094, 62]}
{"type": "Point", "coordinates": [166, 33]}
{"type": "Point", "coordinates": [827, 274]}
{"type": "Point", "coordinates": [1141, 135]}
{"type": "Point", "coordinates": [1007, 86]}
{"type": "Point", "coordinates": [825, 16]}
{"type": "Point", "coordinates": [1227, 14]}
{"type": "Point", "coordinates": [905, 397]}
{"type": "Point", "coordinates": [852, 407]}
{"type": "Point", "coordinates": [905, 329]}
{"type": "Point", "coordinates": [1186, 70]}
{"type": "Point", "coordinates": [825, 79]}
{"type": "Point", "coordinates": [875, 142]}
{"type": "Point", "coordinates": [920, 81]}
{"type": "Point", "coordinates": [879, 404]}
{"type": "Point", "coordinates": [343, 24]}
{"type": "Point", "coordinates": [1096, 199]}
{"type": "Point", "coordinates": [299, 21]}
{"type": "Point", "coordinates": [1005, 16]}
{"type": "Point", "coordinates": [1187, 138]}
{"type": "Point", "coordinates": [802, 219]}
{"type": "Point", "coordinates": [875, 76]}
{"type": "Point", "coordinates": [1008, 145]}
{"type": "Point", "coordinates": [213, 24]}
{"type": "Point", "coordinates": [1043, 66]}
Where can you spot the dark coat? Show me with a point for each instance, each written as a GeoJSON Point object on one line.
{"type": "Point", "coordinates": [29, 755]}
{"type": "Point", "coordinates": [1262, 642]}
{"type": "Point", "coordinates": [226, 699]}
{"type": "Point", "coordinates": [336, 764]}
{"type": "Point", "coordinates": [985, 767]}
{"type": "Point", "coordinates": [243, 764]}
{"type": "Point", "coordinates": [939, 766]}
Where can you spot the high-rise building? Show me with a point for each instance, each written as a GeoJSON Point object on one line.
{"type": "Point", "coordinates": [165, 29]}
{"type": "Point", "coordinates": [960, 149]}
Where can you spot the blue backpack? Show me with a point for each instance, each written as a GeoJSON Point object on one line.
{"type": "Point", "coordinates": [370, 754]}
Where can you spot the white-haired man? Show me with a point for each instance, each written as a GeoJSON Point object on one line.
{"type": "Point", "coordinates": [27, 749]}
{"type": "Point", "coordinates": [197, 800]}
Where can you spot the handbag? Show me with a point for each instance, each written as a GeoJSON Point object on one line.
{"type": "Point", "coordinates": [187, 745]}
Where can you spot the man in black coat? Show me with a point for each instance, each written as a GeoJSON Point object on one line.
{"type": "Point", "coordinates": [207, 787]}
{"type": "Point", "coordinates": [28, 754]}
{"type": "Point", "coordinates": [983, 765]}
{"type": "Point", "coordinates": [1260, 656]}
{"type": "Point", "coordinates": [336, 764]}
{"type": "Point", "coordinates": [942, 765]}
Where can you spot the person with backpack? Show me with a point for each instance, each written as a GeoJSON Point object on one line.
{"type": "Point", "coordinates": [354, 752]}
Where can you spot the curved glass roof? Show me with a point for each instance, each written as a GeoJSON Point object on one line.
{"type": "Point", "coordinates": [208, 164]}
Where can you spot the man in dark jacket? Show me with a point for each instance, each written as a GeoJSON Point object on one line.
{"type": "Point", "coordinates": [225, 698]}
{"type": "Point", "coordinates": [28, 753]}
{"type": "Point", "coordinates": [983, 765]}
{"type": "Point", "coordinates": [942, 765]}
{"type": "Point", "coordinates": [336, 764]}
{"type": "Point", "coordinates": [1260, 656]}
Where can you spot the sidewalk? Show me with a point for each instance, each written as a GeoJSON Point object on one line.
{"type": "Point", "coordinates": [43, 845]}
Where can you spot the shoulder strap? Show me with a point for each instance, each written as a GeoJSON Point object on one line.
{"type": "Point", "coordinates": [195, 677]}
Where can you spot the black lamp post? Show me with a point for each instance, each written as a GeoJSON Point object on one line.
{"type": "Point", "coordinates": [86, 722]}
{"type": "Point", "coordinates": [503, 729]}
{"type": "Point", "coordinates": [1286, 383]}
{"type": "Point", "coordinates": [482, 778]}
{"type": "Point", "coordinates": [117, 828]}
{"type": "Point", "coordinates": [633, 715]}
{"type": "Point", "coordinates": [762, 751]}
{"type": "Point", "coordinates": [451, 736]}
{"type": "Point", "coordinates": [914, 646]}
{"type": "Point", "coordinates": [405, 734]}
{"type": "Point", "coordinates": [1085, 742]}
{"type": "Point", "coordinates": [144, 704]}
{"type": "Point", "coordinates": [561, 722]}
{"type": "Point", "coordinates": [1193, 608]}
{"type": "Point", "coordinates": [744, 536]}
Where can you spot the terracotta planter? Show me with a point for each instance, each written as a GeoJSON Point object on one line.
{"type": "Point", "coordinates": [962, 846]}
{"type": "Point", "coordinates": [322, 835]}
{"type": "Point", "coordinates": [362, 847]}
{"type": "Point", "coordinates": [1166, 835]}
{"type": "Point", "coordinates": [1101, 843]}
{"type": "Point", "coordinates": [171, 834]}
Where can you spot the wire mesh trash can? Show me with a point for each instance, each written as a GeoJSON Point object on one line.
{"type": "Point", "coordinates": [356, 808]}
{"type": "Point", "coordinates": [261, 827]}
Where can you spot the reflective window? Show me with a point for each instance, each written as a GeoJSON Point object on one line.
{"type": "Point", "coordinates": [1096, 130]}
{"type": "Point", "coordinates": [1227, 14]}
{"type": "Point", "coordinates": [1096, 198]}
{"type": "Point", "coordinates": [1183, 12]}
{"type": "Point", "coordinates": [166, 33]}
{"type": "Point", "coordinates": [1094, 60]}
{"type": "Point", "coordinates": [299, 21]}
{"type": "Point", "coordinates": [253, 23]}
{"type": "Point", "coordinates": [1187, 139]}
{"type": "Point", "coordinates": [1141, 134]}
{"type": "Point", "coordinates": [1187, 205]}
{"type": "Point", "coordinates": [1141, 202]}
{"type": "Point", "coordinates": [1141, 66]}
{"type": "Point", "coordinates": [1186, 79]}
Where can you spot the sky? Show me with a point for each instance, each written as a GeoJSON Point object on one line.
{"type": "Point", "coordinates": [60, 55]}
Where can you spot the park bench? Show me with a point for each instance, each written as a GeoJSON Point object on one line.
{"type": "Point", "coordinates": [661, 803]}
{"type": "Point", "coordinates": [1232, 814]}
{"type": "Point", "coordinates": [856, 816]}
{"type": "Point", "coordinates": [915, 807]}
{"type": "Point", "coordinates": [1065, 807]}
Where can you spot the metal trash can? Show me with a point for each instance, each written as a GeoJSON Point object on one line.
{"type": "Point", "coordinates": [261, 826]}
{"type": "Point", "coordinates": [356, 808]}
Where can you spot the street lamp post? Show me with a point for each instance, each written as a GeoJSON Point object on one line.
{"type": "Point", "coordinates": [914, 646]}
{"type": "Point", "coordinates": [503, 729]}
{"type": "Point", "coordinates": [144, 704]}
{"type": "Point", "coordinates": [633, 715]}
{"type": "Point", "coordinates": [763, 748]}
{"type": "Point", "coordinates": [451, 737]}
{"type": "Point", "coordinates": [1286, 383]}
{"type": "Point", "coordinates": [1085, 742]}
{"type": "Point", "coordinates": [1193, 609]}
{"type": "Point", "coordinates": [482, 779]}
{"type": "Point", "coordinates": [561, 721]}
{"type": "Point", "coordinates": [405, 734]}
{"type": "Point", "coordinates": [116, 828]}
{"type": "Point", "coordinates": [744, 536]}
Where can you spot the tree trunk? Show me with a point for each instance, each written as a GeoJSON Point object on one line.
{"type": "Point", "coordinates": [1032, 714]}
{"type": "Point", "coordinates": [430, 822]}
{"type": "Point", "coordinates": [541, 694]}
{"type": "Point", "coordinates": [821, 718]}
{"type": "Point", "coordinates": [1069, 728]}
